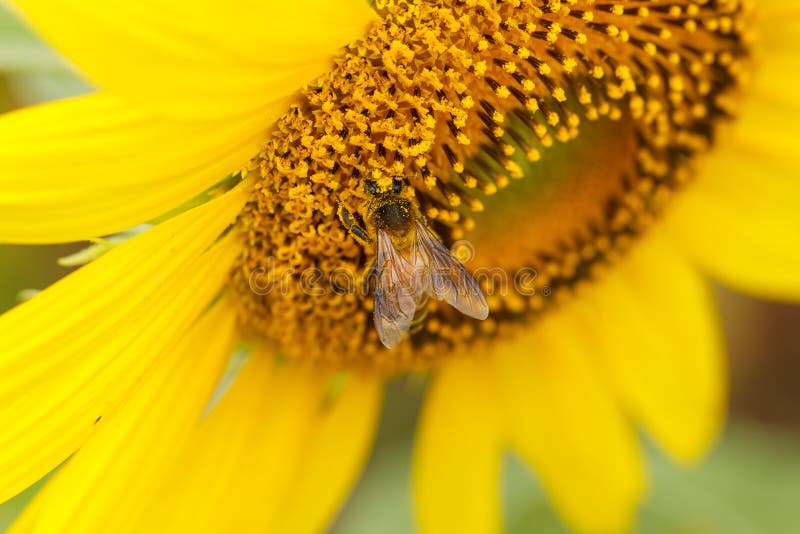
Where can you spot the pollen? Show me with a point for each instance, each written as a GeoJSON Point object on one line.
{"type": "Point", "coordinates": [547, 133]}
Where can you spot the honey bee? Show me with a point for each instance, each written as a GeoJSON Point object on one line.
{"type": "Point", "coordinates": [411, 264]}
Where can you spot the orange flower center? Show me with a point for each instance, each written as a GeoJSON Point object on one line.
{"type": "Point", "coordinates": [539, 137]}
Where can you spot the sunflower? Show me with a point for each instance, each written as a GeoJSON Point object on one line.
{"type": "Point", "coordinates": [598, 157]}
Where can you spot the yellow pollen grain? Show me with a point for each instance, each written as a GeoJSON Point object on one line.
{"type": "Point", "coordinates": [503, 92]}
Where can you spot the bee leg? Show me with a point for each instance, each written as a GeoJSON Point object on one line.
{"type": "Point", "coordinates": [361, 235]}
{"type": "Point", "coordinates": [350, 224]}
{"type": "Point", "coordinates": [345, 216]}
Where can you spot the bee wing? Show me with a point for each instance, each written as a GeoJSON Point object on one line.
{"type": "Point", "coordinates": [446, 278]}
{"type": "Point", "coordinates": [398, 291]}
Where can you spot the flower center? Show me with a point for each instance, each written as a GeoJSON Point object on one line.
{"type": "Point", "coordinates": [540, 135]}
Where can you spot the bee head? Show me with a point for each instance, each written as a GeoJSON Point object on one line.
{"type": "Point", "coordinates": [386, 185]}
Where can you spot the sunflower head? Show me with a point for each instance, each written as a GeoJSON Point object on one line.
{"type": "Point", "coordinates": [548, 135]}
{"type": "Point", "coordinates": [528, 144]}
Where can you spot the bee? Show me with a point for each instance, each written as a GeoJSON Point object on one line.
{"type": "Point", "coordinates": [411, 263]}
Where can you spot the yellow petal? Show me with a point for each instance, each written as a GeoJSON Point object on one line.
{"type": "Point", "coordinates": [566, 426]}
{"type": "Point", "coordinates": [740, 220]}
{"type": "Point", "coordinates": [199, 59]}
{"type": "Point", "coordinates": [657, 338]}
{"type": "Point", "coordinates": [92, 166]}
{"type": "Point", "coordinates": [106, 483]}
{"type": "Point", "coordinates": [275, 455]}
{"type": "Point", "coordinates": [740, 223]}
{"type": "Point", "coordinates": [458, 453]}
{"type": "Point", "coordinates": [68, 355]}
{"type": "Point", "coordinates": [339, 449]}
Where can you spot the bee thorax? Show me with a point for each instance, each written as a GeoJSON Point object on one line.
{"type": "Point", "coordinates": [395, 217]}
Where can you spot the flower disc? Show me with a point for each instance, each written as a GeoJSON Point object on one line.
{"type": "Point", "coordinates": [546, 134]}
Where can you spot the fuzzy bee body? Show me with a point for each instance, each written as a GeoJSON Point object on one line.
{"type": "Point", "coordinates": [411, 264]}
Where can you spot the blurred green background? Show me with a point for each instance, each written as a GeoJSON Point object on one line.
{"type": "Point", "coordinates": [750, 484]}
